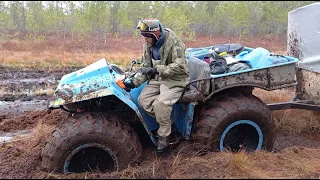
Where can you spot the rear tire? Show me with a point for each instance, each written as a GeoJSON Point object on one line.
{"type": "Point", "coordinates": [91, 141]}
{"type": "Point", "coordinates": [235, 121]}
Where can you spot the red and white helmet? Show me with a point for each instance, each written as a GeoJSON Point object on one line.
{"type": "Point", "coordinates": [150, 27]}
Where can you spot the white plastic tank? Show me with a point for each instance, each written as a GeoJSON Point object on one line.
{"type": "Point", "coordinates": [303, 42]}
{"type": "Point", "coordinates": [303, 38]}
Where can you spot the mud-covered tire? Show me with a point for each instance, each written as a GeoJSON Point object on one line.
{"type": "Point", "coordinates": [229, 110]}
{"type": "Point", "coordinates": [98, 130]}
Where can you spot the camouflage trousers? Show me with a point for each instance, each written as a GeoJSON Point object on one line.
{"type": "Point", "coordinates": [157, 100]}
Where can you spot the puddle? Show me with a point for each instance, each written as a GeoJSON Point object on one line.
{"type": "Point", "coordinates": [14, 136]}
{"type": "Point", "coordinates": [18, 107]}
{"type": "Point", "coordinates": [49, 80]}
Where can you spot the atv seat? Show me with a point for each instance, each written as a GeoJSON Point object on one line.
{"type": "Point", "coordinates": [199, 86]}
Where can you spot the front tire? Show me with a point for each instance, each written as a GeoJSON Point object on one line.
{"type": "Point", "coordinates": [91, 141]}
{"type": "Point", "coordinates": [234, 122]}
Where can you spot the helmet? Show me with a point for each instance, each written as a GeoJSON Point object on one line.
{"type": "Point", "coordinates": [150, 27]}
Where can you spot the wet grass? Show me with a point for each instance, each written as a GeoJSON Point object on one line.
{"type": "Point", "coordinates": [292, 163]}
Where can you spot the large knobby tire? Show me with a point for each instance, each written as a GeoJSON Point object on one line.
{"type": "Point", "coordinates": [91, 139]}
{"type": "Point", "coordinates": [234, 122]}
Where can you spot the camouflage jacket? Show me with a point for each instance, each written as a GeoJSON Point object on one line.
{"type": "Point", "coordinates": [172, 68]}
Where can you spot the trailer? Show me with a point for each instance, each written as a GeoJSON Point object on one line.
{"type": "Point", "coordinates": [303, 39]}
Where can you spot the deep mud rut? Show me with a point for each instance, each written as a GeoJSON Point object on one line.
{"type": "Point", "coordinates": [22, 110]}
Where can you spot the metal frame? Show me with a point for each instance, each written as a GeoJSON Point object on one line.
{"type": "Point", "coordinates": [307, 105]}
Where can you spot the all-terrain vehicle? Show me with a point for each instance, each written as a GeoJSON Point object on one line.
{"type": "Point", "coordinates": [216, 111]}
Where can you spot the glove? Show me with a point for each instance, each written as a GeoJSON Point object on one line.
{"type": "Point", "coordinates": [150, 72]}
{"type": "Point", "coordinates": [128, 85]}
{"type": "Point", "coordinates": [144, 70]}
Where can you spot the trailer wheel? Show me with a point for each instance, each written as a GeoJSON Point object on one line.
{"type": "Point", "coordinates": [91, 142]}
{"type": "Point", "coordinates": [234, 122]}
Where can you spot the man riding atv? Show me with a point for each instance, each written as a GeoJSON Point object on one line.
{"type": "Point", "coordinates": [164, 66]}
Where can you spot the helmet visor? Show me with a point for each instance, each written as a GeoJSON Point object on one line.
{"type": "Point", "coordinates": [142, 26]}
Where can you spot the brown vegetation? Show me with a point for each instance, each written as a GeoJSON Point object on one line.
{"type": "Point", "coordinates": [54, 52]}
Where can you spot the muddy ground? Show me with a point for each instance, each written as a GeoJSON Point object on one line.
{"type": "Point", "coordinates": [23, 99]}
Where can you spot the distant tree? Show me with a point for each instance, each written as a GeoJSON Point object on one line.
{"type": "Point", "coordinates": [176, 19]}
{"type": "Point", "coordinates": [35, 17]}
{"type": "Point", "coordinates": [115, 6]}
{"type": "Point", "coordinates": [6, 22]}
{"type": "Point", "coordinates": [86, 18]}
{"type": "Point", "coordinates": [70, 11]}
{"type": "Point", "coordinates": [18, 15]}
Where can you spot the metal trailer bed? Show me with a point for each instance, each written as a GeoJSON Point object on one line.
{"type": "Point", "coordinates": [204, 85]}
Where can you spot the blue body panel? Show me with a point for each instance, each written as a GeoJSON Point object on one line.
{"type": "Point", "coordinates": [93, 81]}
{"type": "Point", "coordinates": [96, 80]}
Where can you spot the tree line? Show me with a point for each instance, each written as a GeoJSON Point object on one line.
{"type": "Point", "coordinates": [115, 18]}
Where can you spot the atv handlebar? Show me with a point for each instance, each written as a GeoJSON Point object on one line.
{"type": "Point", "coordinates": [136, 61]}
{"type": "Point", "coordinates": [128, 76]}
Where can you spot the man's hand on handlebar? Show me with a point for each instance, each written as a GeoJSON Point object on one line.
{"type": "Point", "coordinates": [150, 72]}
{"type": "Point", "coordinates": [128, 85]}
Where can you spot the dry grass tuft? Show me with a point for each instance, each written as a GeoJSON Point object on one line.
{"type": "Point", "coordinates": [48, 92]}
{"type": "Point", "coordinates": [290, 163]}
{"type": "Point", "coordinates": [297, 120]}
{"type": "Point", "coordinates": [294, 162]}
{"type": "Point", "coordinates": [275, 96]}
{"type": "Point", "coordinates": [148, 170]}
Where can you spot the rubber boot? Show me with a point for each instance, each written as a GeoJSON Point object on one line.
{"type": "Point", "coordinates": [162, 144]}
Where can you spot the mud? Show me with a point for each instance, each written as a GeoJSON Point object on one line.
{"type": "Point", "coordinates": [287, 140]}
{"type": "Point", "coordinates": [30, 119]}
{"type": "Point", "coordinates": [19, 161]}
{"type": "Point", "coordinates": [295, 46]}
{"type": "Point", "coordinates": [22, 158]}
{"type": "Point", "coordinates": [11, 108]}
{"type": "Point", "coordinates": [24, 97]}
{"type": "Point", "coordinates": [21, 143]}
{"type": "Point", "coordinates": [14, 136]}
{"type": "Point", "coordinates": [27, 85]}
